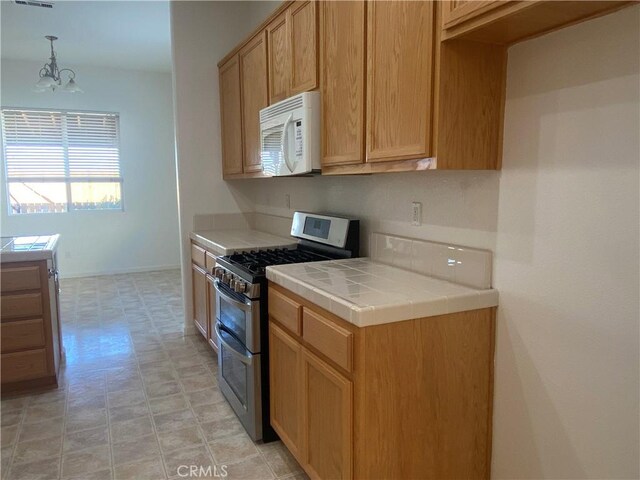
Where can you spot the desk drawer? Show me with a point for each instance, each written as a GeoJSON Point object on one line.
{"type": "Point", "coordinates": [22, 335]}
{"type": "Point", "coordinates": [198, 255]}
{"type": "Point", "coordinates": [330, 339]}
{"type": "Point", "coordinates": [14, 279]}
{"type": "Point", "coordinates": [24, 365]}
{"type": "Point", "coordinates": [285, 311]}
{"type": "Point", "coordinates": [17, 306]}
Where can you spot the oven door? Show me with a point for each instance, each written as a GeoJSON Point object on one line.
{"type": "Point", "coordinates": [239, 374]}
{"type": "Point", "coordinates": [239, 315]}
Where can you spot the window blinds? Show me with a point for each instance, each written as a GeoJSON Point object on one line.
{"type": "Point", "coordinates": [61, 145]}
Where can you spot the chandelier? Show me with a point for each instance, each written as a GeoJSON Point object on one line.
{"type": "Point", "coordinates": [51, 75]}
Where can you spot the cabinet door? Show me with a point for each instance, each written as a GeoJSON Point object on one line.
{"type": "Point", "coordinates": [342, 60]}
{"type": "Point", "coordinates": [327, 417]}
{"type": "Point", "coordinates": [231, 117]}
{"type": "Point", "coordinates": [199, 279]}
{"type": "Point", "coordinates": [253, 75]}
{"type": "Point", "coordinates": [400, 70]}
{"type": "Point", "coordinates": [279, 64]}
{"type": "Point", "coordinates": [303, 24]}
{"type": "Point", "coordinates": [285, 380]}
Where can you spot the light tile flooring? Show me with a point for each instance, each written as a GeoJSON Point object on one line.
{"type": "Point", "coordinates": [138, 399]}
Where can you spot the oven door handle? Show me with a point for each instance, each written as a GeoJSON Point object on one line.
{"type": "Point", "coordinates": [246, 359]}
{"type": "Point", "coordinates": [242, 306]}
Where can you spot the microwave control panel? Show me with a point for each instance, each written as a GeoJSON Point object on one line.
{"type": "Point", "coordinates": [298, 140]}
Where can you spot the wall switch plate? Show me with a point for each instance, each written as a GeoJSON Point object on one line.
{"type": "Point", "coordinates": [416, 217]}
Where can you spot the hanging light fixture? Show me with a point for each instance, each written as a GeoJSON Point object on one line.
{"type": "Point", "coordinates": [51, 76]}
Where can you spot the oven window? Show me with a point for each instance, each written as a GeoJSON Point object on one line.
{"type": "Point", "coordinates": [234, 319]}
{"type": "Point", "coordinates": [234, 373]}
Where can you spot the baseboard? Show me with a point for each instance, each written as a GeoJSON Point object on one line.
{"type": "Point", "coordinates": [155, 268]}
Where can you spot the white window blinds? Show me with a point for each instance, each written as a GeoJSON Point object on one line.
{"type": "Point", "coordinates": [48, 145]}
{"type": "Point", "coordinates": [58, 161]}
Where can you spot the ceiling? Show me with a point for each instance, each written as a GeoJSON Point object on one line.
{"type": "Point", "coordinates": [120, 34]}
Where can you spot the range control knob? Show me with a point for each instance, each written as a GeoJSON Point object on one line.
{"type": "Point", "coordinates": [218, 273]}
{"type": "Point", "coordinates": [226, 278]}
{"type": "Point", "coordinates": [239, 286]}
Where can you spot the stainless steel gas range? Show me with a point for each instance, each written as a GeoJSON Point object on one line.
{"type": "Point", "coordinates": [241, 311]}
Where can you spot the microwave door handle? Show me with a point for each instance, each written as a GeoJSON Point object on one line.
{"type": "Point", "coordinates": [246, 359]}
{"type": "Point", "coordinates": [285, 142]}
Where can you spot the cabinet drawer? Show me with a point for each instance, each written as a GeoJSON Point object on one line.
{"type": "Point", "coordinates": [198, 255]}
{"type": "Point", "coordinates": [22, 334]}
{"type": "Point", "coordinates": [26, 305]}
{"type": "Point", "coordinates": [20, 278]}
{"type": "Point", "coordinates": [24, 365]}
{"type": "Point", "coordinates": [210, 261]}
{"type": "Point", "coordinates": [330, 339]}
{"type": "Point", "coordinates": [285, 310]}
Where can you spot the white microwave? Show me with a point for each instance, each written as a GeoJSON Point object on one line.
{"type": "Point", "coordinates": [290, 136]}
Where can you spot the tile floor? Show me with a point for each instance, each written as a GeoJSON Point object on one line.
{"type": "Point", "coordinates": [138, 399]}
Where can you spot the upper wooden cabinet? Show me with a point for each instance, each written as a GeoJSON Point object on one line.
{"type": "Point", "coordinates": [279, 55]}
{"type": "Point", "coordinates": [342, 61]}
{"type": "Point", "coordinates": [303, 21]}
{"type": "Point", "coordinates": [399, 73]}
{"type": "Point", "coordinates": [253, 81]}
{"type": "Point", "coordinates": [508, 21]}
{"type": "Point", "coordinates": [231, 117]}
{"type": "Point", "coordinates": [293, 44]}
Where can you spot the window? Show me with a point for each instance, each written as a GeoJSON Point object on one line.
{"type": "Point", "coordinates": [58, 161]}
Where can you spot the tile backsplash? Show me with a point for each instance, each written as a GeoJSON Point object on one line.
{"type": "Point", "coordinates": [455, 263]}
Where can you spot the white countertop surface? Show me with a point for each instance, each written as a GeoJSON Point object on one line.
{"type": "Point", "coordinates": [364, 292]}
{"type": "Point", "coordinates": [28, 248]}
{"type": "Point", "coordinates": [225, 242]}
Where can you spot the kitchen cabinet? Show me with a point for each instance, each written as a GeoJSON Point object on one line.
{"type": "Point", "coordinates": [279, 69]}
{"type": "Point", "coordinates": [399, 77]}
{"type": "Point", "coordinates": [327, 420]}
{"type": "Point", "coordinates": [200, 299]}
{"type": "Point", "coordinates": [293, 60]}
{"type": "Point", "coordinates": [507, 22]}
{"type": "Point", "coordinates": [254, 95]}
{"type": "Point", "coordinates": [30, 337]}
{"type": "Point", "coordinates": [342, 60]}
{"type": "Point", "coordinates": [231, 117]}
{"type": "Point", "coordinates": [409, 399]}
{"type": "Point", "coordinates": [285, 379]}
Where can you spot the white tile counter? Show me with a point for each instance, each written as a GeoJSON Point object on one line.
{"type": "Point", "coordinates": [225, 242]}
{"type": "Point", "coordinates": [28, 248]}
{"type": "Point", "coordinates": [365, 292]}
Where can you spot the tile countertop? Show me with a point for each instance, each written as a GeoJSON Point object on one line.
{"type": "Point", "coordinates": [364, 292]}
{"type": "Point", "coordinates": [27, 249]}
{"type": "Point", "coordinates": [225, 242]}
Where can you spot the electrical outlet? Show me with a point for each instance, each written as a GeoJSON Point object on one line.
{"type": "Point", "coordinates": [287, 200]}
{"type": "Point", "coordinates": [416, 217]}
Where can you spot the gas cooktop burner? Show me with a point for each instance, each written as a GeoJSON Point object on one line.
{"type": "Point", "coordinates": [255, 262]}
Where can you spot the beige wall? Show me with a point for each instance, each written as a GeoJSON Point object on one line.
{"type": "Point", "coordinates": [202, 33]}
{"type": "Point", "coordinates": [143, 237]}
{"type": "Point", "coordinates": [566, 265]}
{"type": "Point", "coordinates": [562, 217]}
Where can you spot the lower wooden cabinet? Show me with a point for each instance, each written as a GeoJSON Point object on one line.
{"type": "Point", "coordinates": [326, 419]}
{"type": "Point", "coordinates": [30, 338]}
{"type": "Point", "coordinates": [285, 379]}
{"type": "Point", "coordinates": [410, 399]}
{"type": "Point", "coordinates": [211, 314]}
{"type": "Point", "coordinates": [200, 300]}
